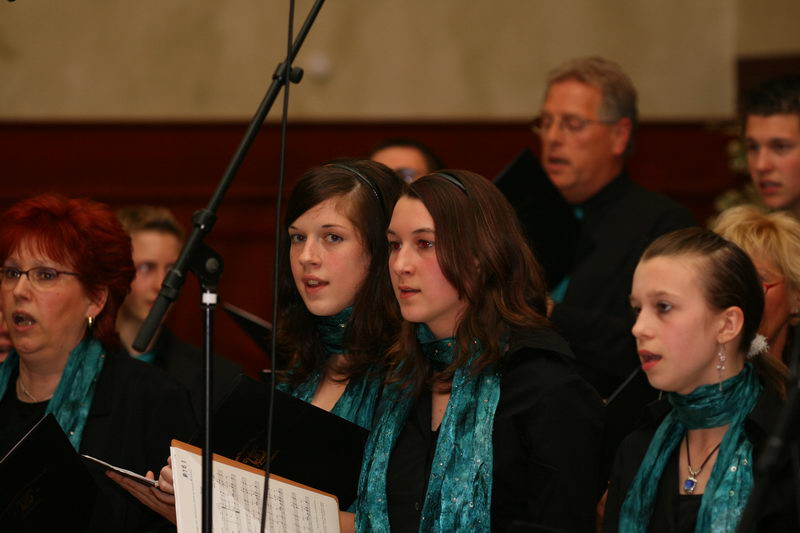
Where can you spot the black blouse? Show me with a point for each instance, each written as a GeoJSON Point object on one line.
{"type": "Point", "coordinates": [674, 512]}
{"type": "Point", "coordinates": [16, 417]}
{"type": "Point", "coordinates": [546, 444]}
{"type": "Point", "coordinates": [135, 412]}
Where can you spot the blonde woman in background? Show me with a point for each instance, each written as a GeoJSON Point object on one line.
{"type": "Point", "coordinates": [772, 240]}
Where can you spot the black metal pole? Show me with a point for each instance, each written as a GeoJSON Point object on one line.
{"type": "Point", "coordinates": [209, 302]}
{"type": "Point", "coordinates": [207, 265]}
{"type": "Point", "coordinates": [203, 222]}
{"type": "Point", "coordinates": [205, 219]}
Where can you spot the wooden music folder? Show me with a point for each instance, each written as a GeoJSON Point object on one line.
{"type": "Point", "coordinates": [237, 493]}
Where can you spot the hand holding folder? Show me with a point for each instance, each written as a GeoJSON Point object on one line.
{"type": "Point", "coordinates": [160, 497]}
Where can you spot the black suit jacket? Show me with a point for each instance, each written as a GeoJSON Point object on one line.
{"type": "Point", "coordinates": [184, 363]}
{"type": "Point", "coordinates": [136, 411]}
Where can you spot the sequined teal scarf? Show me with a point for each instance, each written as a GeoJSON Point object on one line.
{"type": "Point", "coordinates": [731, 478]}
{"type": "Point", "coordinates": [72, 398]}
{"type": "Point", "coordinates": [357, 403]}
{"type": "Point", "coordinates": [460, 485]}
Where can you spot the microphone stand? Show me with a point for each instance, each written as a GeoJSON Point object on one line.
{"type": "Point", "coordinates": [785, 432]}
{"type": "Point", "coordinates": [195, 252]}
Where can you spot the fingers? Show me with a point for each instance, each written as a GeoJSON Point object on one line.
{"type": "Point", "coordinates": [163, 497]}
{"type": "Point", "coordinates": [347, 522]}
{"type": "Point", "coordinates": [165, 480]}
{"type": "Point", "coordinates": [136, 489]}
{"type": "Point", "coordinates": [155, 499]}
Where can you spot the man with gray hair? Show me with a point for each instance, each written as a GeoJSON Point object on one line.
{"type": "Point", "coordinates": [586, 127]}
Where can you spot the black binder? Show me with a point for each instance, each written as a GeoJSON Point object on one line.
{"type": "Point", "coordinates": [45, 485]}
{"type": "Point", "coordinates": [309, 445]}
{"type": "Point", "coordinates": [548, 220]}
{"type": "Point", "coordinates": [258, 329]}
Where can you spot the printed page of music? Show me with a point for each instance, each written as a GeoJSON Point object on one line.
{"type": "Point", "coordinates": [292, 508]}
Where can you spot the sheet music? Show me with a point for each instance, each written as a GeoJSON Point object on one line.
{"type": "Point", "coordinates": [237, 499]}
{"type": "Point", "coordinates": [122, 471]}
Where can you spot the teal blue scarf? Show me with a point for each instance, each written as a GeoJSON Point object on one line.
{"type": "Point", "coordinates": [732, 476]}
{"type": "Point", "coordinates": [146, 357]}
{"type": "Point", "coordinates": [72, 399]}
{"type": "Point", "coordinates": [357, 403]}
{"type": "Point", "coordinates": [460, 485]}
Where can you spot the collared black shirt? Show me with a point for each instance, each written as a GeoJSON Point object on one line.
{"type": "Point", "coordinates": [618, 223]}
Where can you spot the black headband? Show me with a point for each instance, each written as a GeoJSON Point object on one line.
{"type": "Point", "coordinates": [452, 179]}
{"type": "Point", "coordinates": [368, 182]}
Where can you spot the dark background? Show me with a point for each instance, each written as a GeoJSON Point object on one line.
{"type": "Point", "coordinates": [178, 165]}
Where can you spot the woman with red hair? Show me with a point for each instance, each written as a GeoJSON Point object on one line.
{"type": "Point", "coordinates": [66, 268]}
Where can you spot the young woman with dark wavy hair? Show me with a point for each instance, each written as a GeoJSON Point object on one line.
{"type": "Point", "coordinates": [484, 420]}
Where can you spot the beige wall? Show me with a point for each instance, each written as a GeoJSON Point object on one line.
{"type": "Point", "coordinates": [367, 59]}
{"type": "Point", "coordinates": [768, 27]}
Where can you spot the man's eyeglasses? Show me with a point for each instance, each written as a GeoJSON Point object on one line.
{"type": "Point", "coordinates": [407, 174]}
{"type": "Point", "coordinates": [40, 278]}
{"type": "Point", "coordinates": [568, 123]}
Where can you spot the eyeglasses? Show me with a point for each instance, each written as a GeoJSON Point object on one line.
{"type": "Point", "coordinates": [407, 174]}
{"type": "Point", "coordinates": [768, 286]}
{"type": "Point", "coordinates": [568, 123]}
{"type": "Point", "coordinates": [40, 278]}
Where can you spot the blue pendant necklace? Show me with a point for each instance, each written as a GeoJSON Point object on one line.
{"type": "Point", "coordinates": [690, 483]}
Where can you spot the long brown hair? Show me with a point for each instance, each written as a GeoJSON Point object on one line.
{"type": "Point", "coordinates": [375, 319]}
{"type": "Point", "coordinates": [482, 252]}
{"type": "Point", "coordinates": [729, 280]}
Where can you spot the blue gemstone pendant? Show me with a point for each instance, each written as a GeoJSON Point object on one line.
{"type": "Point", "coordinates": [689, 485]}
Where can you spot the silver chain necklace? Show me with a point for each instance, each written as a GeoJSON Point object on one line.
{"type": "Point", "coordinates": [28, 394]}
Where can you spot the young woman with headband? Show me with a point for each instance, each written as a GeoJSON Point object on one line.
{"type": "Point", "coordinates": [483, 421]}
{"type": "Point", "coordinates": [338, 315]}
{"type": "Point", "coordinates": [338, 287]}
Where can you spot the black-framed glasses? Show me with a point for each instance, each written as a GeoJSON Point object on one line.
{"type": "Point", "coordinates": [40, 278]}
{"type": "Point", "coordinates": [567, 123]}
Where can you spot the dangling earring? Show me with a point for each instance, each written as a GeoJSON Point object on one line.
{"type": "Point", "coordinates": [660, 394]}
{"type": "Point", "coordinates": [721, 365]}
{"type": "Point", "coordinates": [90, 321]}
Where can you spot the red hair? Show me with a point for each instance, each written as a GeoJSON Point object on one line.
{"type": "Point", "coordinates": [84, 235]}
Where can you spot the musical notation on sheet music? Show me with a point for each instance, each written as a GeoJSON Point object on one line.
{"type": "Point", "coordinates": [291, 508]}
